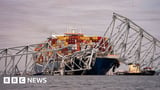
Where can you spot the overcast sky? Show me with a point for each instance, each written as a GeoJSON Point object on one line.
{"type": "Point", "coordinates": [25, 22]}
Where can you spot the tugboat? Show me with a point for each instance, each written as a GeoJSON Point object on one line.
{"type": "Point", "coordinates": [134, 69]}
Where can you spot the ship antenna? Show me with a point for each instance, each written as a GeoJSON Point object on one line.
{"type": "Point", "coordinates": [73, 30]}
{"type": "Point", "coordinates": [67, 29]}
{"type": "Point", "coordinates": [80, 31]}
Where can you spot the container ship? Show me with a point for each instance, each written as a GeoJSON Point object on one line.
{"type": "Point", "coordinates": [99, 65]}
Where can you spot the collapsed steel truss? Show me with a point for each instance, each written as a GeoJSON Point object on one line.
{"type": "Point", "coordinates": [22, 60]}
{"type": "Point", "coordinates": [126, 39]}
{"type": "Point", "coordinates": [132, 43]}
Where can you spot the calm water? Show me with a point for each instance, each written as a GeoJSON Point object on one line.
{"type": "Point", "coordinates": [92, 83]}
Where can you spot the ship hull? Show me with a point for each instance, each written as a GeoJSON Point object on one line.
{"type": "Point", "coordinates": [141, 73]}
{"type": "Point", "coordinates": [101, 66]}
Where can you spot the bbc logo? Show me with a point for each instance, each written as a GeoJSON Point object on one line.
{"type": "Point", "coordinates": [14, 80]}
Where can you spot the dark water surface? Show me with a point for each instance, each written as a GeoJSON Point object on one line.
{"type": "Point", "coordinates": [91, 83]}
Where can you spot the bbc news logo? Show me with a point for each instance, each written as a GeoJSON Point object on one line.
{"type": "Point", "coordinates": [24, 80]}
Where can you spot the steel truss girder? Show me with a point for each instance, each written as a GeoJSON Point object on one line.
{"type": "Point", "coordinates": [22, 60]}
{"type": "Point", "coordinates": [132, 43]}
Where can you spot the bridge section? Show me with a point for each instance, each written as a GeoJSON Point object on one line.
{"type": "Point", "coordinates": [132, 43]}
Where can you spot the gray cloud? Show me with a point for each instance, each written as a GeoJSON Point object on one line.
{"type": "Point", "coordinates": [31, 21]}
